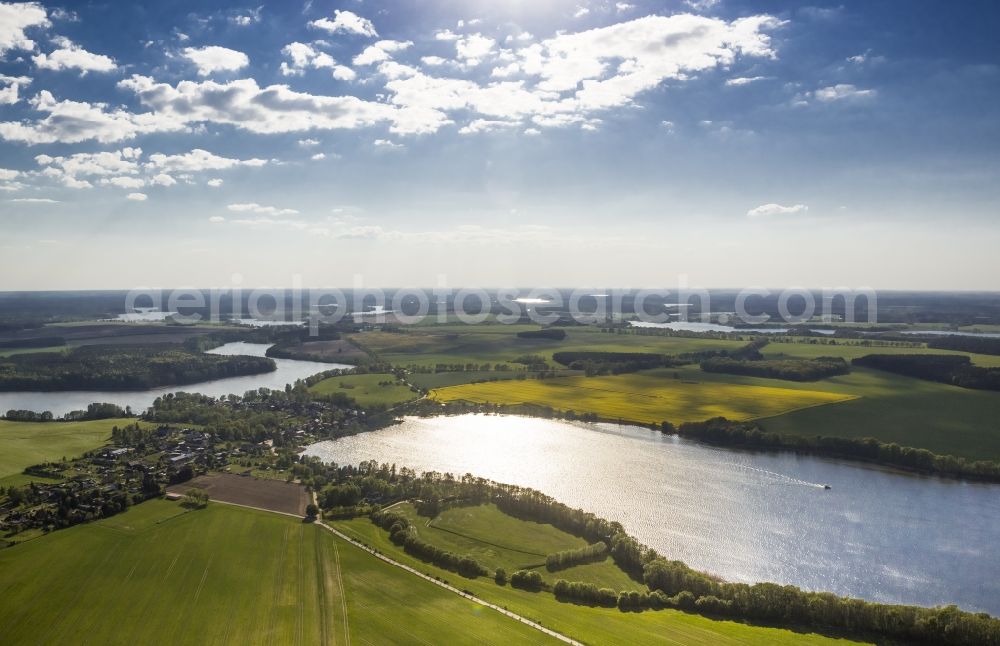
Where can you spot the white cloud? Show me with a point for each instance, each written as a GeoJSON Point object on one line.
{"type": "Point", "coordinates": [744, 80]}
{"type": "Point", "coordinates": [215, 59]}
{"type": "Point", "coordinates": [318, 157]}
{"type": "Point", "coordinates": [123, 182]}
{"type": "Point", "coordinates": [767, 210]}
{"type": "Point", "coordinates": [136, 197]}
{"type": "Point", "coordinates": [308, 142]}
{"type": "Point", "coordinates": [473, 48]}
{"type": "Point", "coordinates": [10, 88]}
{"type": "Point", "coordinates": [34, 200]}
{"type": "Point", "coordinates": [72, 56]}
{"type": "Point", "coordinates": [246, 19]}
{"type": "Point", "coordinates": [216, 218]}
{"type": "Point", "coordinates": [344, 73]}
{"type": "Point", "coordinates": [477, 126]}
{"type": "Point", "coordinates": [841, 92]}
{"type": "Point", "coordinates": [241, 103]}
{"type": "Point", "coordinates": [8, 174]}
{"type": "Point", "coordinates": [381, 51]}
{"type": "Point", "coordinates": [345, 22]}
{"type": "Point", "coordinates": [214, 182]}
{"type": "Point", "coordinates": [445, 34]}
{"type": "Point", "coordinates": [253, 207]}
{"type": "Point", "coordinates": [304, 56]}
{"type": "Point", "coordinates": [433, 61]}
{"type": "Point", "coordinates": [162, 179]}
{"type": "Point", "coordinates": [70, 170]}
{"type": "Point", "coordinates": [581, 11]}
{"type": "Point", "coordinates": [506, 71]}
{"type": "Point", "coordinates": [17, 17]}
{"type": "Point", "coordinates": [75, 121]}
{"type": "Point", "coordinates": [702, 5]}
{"type": "Point", "coordinates": [622, 7]}
{"type": "Point", "coordinates": [385, 143]}
{"type": "Point", "coordinates": [199, 160]}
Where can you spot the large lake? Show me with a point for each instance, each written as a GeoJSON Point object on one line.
{"type": "Point", "coordinates": [60, 403]}
{"type": "Point", "coordinates": [876, 534]}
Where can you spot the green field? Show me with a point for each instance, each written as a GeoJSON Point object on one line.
{"type": "Point", "coordinates": [367, 390]}
{"type": "Point", "coordinates": [594, 625]}
{"type": "Point", "coordinates": [645, 398]}
{"type": "Point", "coordinates": [497, 540]}
{"type": "Point", "coordinates": [805, 350]}
{"type": "Point", "coordinates": [497, 343]}
{"type": "Point", "coordinates": [28, 443]}
{"type": "Point", "coordinates": [225, 575]}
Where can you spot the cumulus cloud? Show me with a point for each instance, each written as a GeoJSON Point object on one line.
{"type": "Point", "coordinates": [214, 182]}
{"type": "Point", "coordinates": [473, 48]}
{"type": "Point", "coordinates": [72, 56]}
{"type": "Point", "coordinates": [302, 57]}
{"type": "Point", "coordinates": [213, 58]}
{"type": "Point", "coordinates": [123, 182]}
{"type": "Point", "coordinates": [318, 157]}
{"type": "Point", "coordinates": [345, 22]}
{"type": "Point", "coordinates": [622, 7]}
{"type": "Point", "coordinates": [9, 87]}
{"type": "Point", "coordinates": [15, 19]}
{"type": "Point", "coordinates": [72, 170]}
{"type": "Point", "coordinates": [253, 207]}
{"type": "Point", "coordinates": [71, 122]}
{"type": "Point", "coordinates": [386, 143]}
{"type": "Point", "coordinates": [768, 210]}
{"type": "Point", "coordinates": [381, 51]}
{"type": "Point", "coordinates": [136, 197]}
{"type": "Point", "coordinates": [199, 160]}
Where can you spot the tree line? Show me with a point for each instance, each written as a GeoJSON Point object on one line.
{"type": "Point", "coordinates": [401, 532]}
{"type": "Point", "coordinates": [722, 432]}
{"type": "Point", "coordinates": [788, 369]}
{"type": "Point", "coordinates": [124, 367]}
{"type": "Point", "coordinates": [568, 558]}
{"type": "Point", "coordinates": [954, 369]}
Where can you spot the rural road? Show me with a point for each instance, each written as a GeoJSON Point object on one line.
{"type": "Point", "coordinates": [492, 606]}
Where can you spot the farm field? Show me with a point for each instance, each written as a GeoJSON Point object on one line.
{"type": "Point", "coordinates": [367, 390]}
{"type": "Point", "coordinates": [267, 493]}
{"type": "Point", "coordinates": [646, 398]}
{"type": "Point", "coordinates": [910, 412]}
{"type": "Point", "coordinates": [28, 443]}
{"type": "Point", "coordinates": [225, 575]}
{"type": "Point", "coordinates": [497, 540]}
{"type": "Point", "coordinates": [596, 625]}
{"type": "Point", "coordinates": [805, 350]}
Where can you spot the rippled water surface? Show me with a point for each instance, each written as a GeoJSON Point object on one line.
{"type": "Point", "coordinates": [60, 403]}
{"type": "Point", "coordinates": [748, 517]}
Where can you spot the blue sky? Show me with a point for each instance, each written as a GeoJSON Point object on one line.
{"type": "Point", "coordinates": [502, 142]}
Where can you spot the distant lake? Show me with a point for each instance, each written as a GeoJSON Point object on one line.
{"type": "Point", "coordinates": [748, 517]}
{"type": "Point", "coordinates": [698, 326]}
{"type": "Point", "coordinates": [59, 403]}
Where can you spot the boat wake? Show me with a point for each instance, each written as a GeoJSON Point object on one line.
{"type": "Point", "coordinates": [782, 479]}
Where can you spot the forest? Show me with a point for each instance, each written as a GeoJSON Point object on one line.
{"type": "Point", "coordinates": [121, 367]}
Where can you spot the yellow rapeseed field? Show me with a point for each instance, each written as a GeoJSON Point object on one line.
{"type": "Point", "coordinates": [643, 398]}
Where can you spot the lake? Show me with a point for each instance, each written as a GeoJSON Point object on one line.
{"type": "Point", "coordinates": [60, 403]}
{"type": "Point", "coordinates": [876, 534]}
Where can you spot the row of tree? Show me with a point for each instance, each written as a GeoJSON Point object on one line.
{"type": "Point", "coordinates": [401, 532]}
{"type": "Point", "coordinates": [568, 558]}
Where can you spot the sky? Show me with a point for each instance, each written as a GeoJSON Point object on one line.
{"type": "Point", "coordinates": [493, 143]}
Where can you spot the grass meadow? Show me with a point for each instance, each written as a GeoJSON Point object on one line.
{"type": "Point", "coordinates": [225, 575]}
